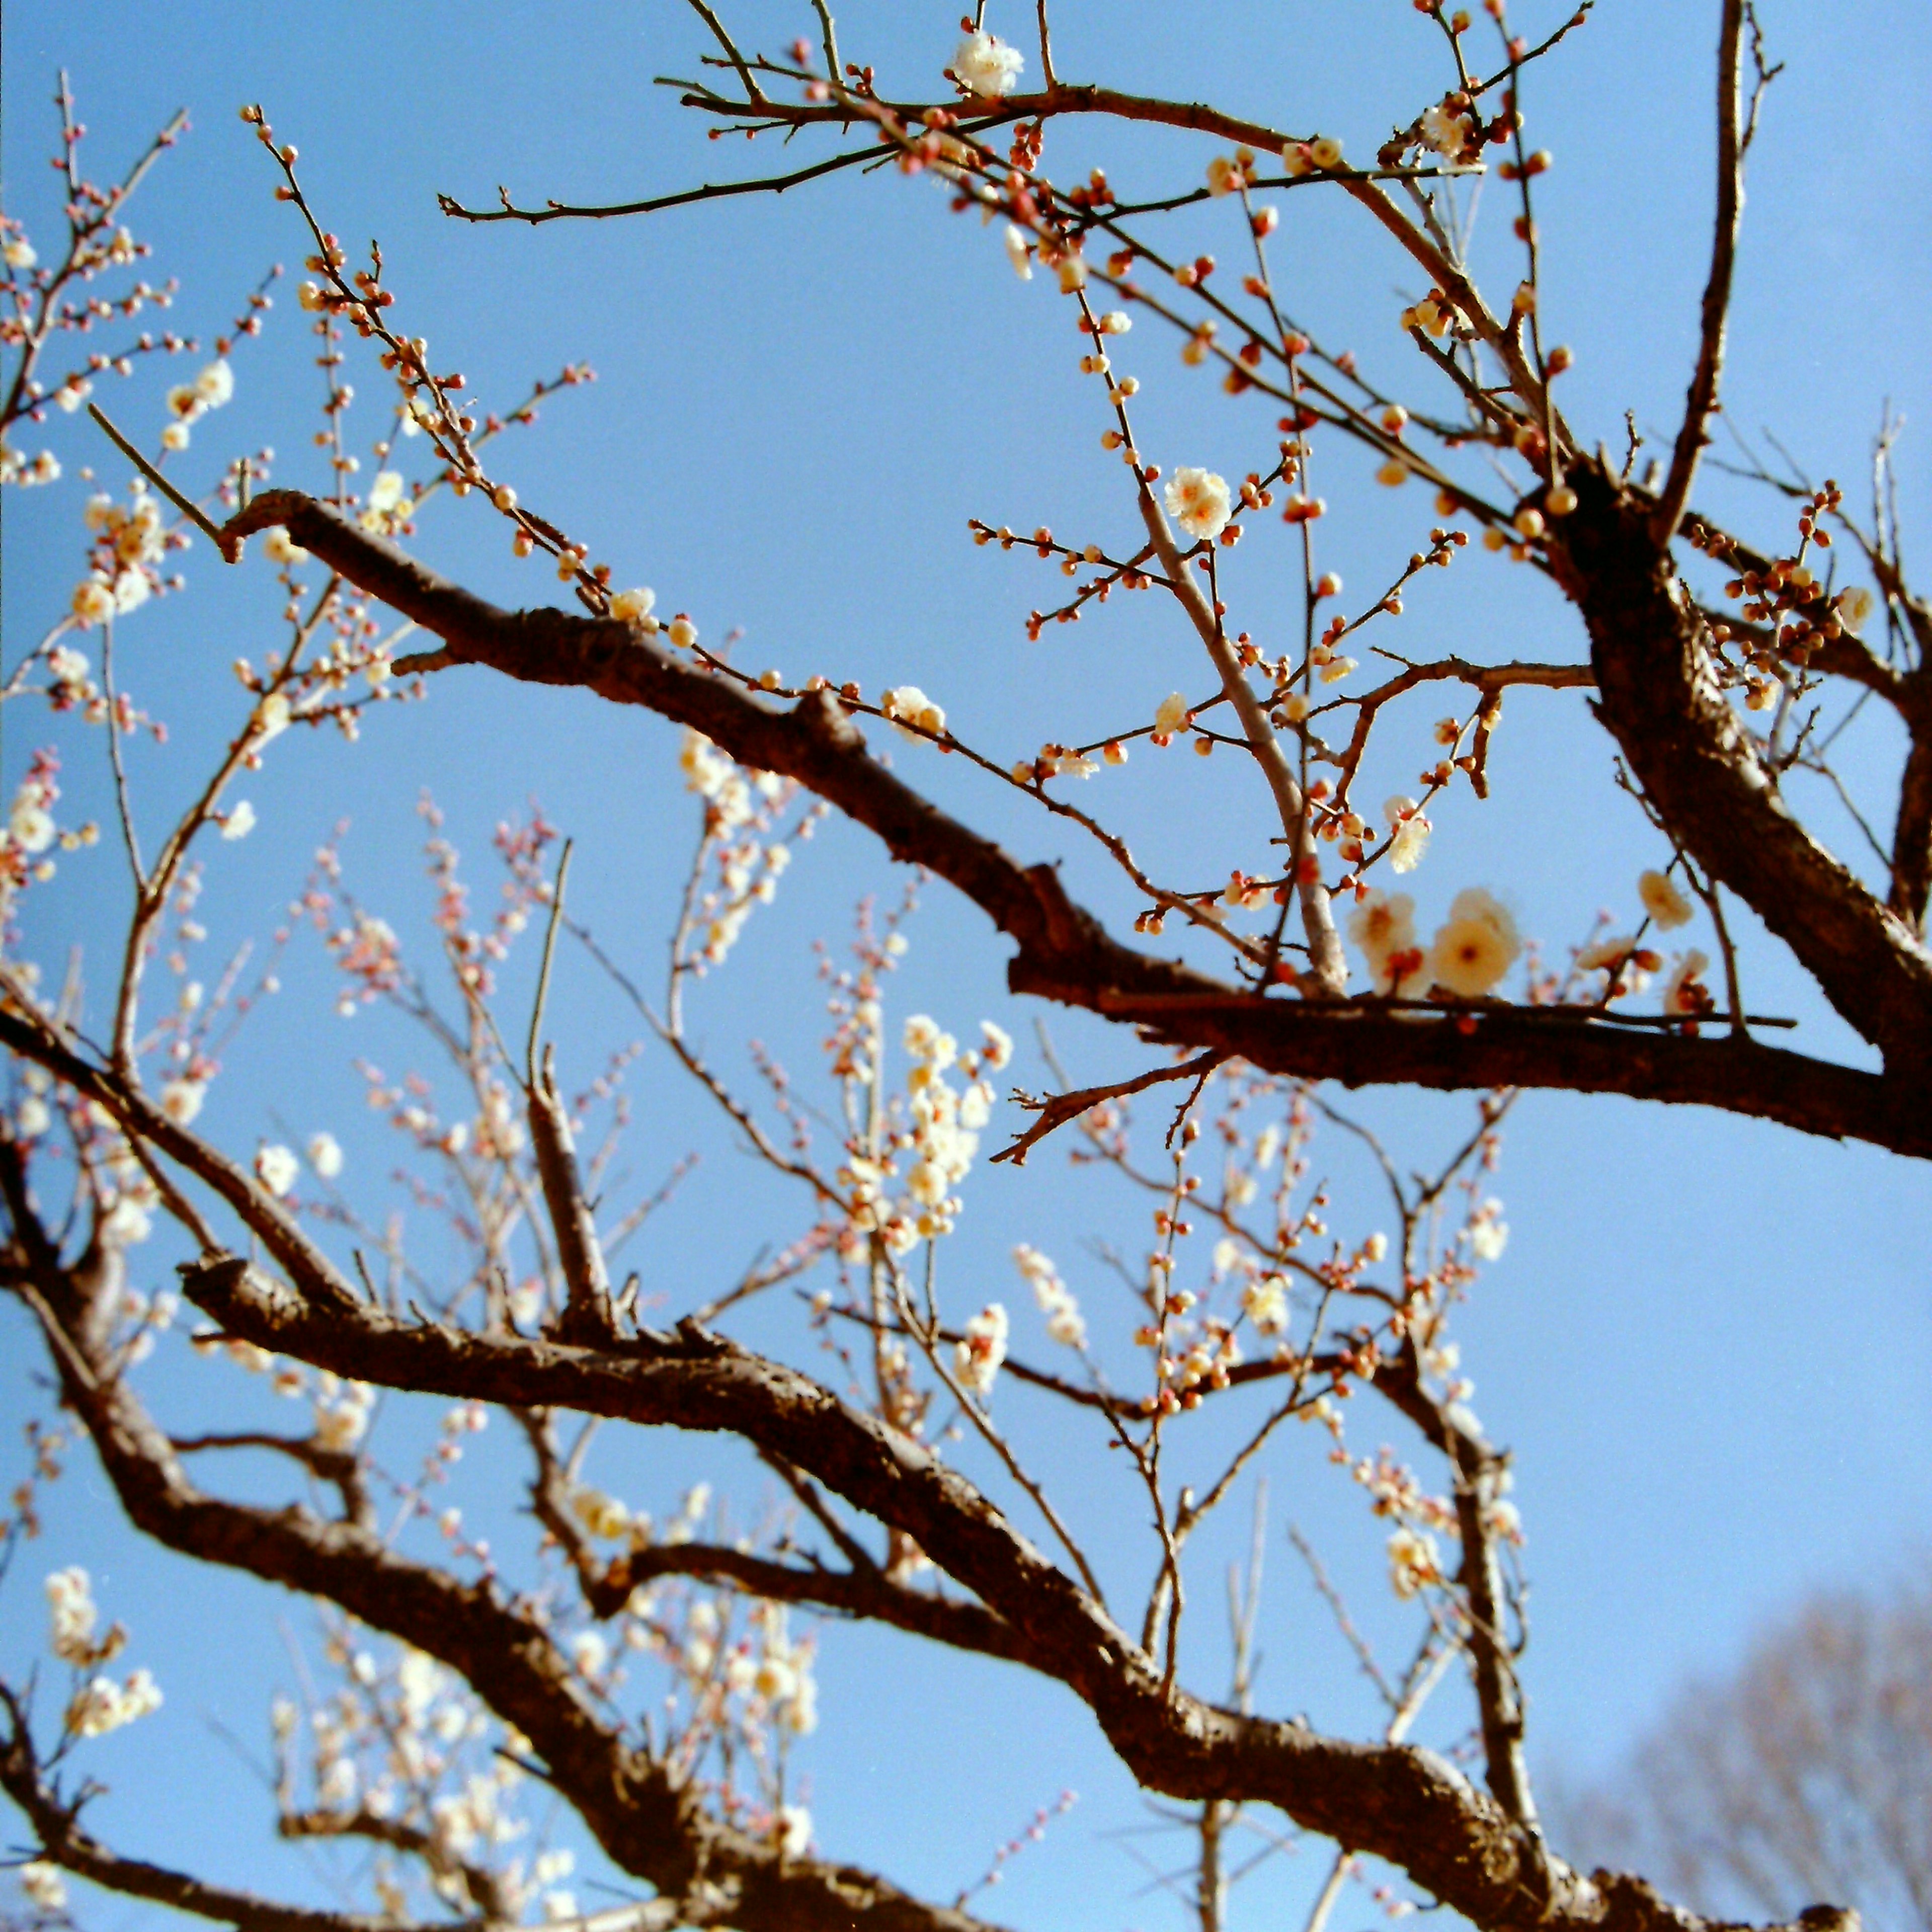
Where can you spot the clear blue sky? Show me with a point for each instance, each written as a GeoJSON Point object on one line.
{"type": "Point", "coordinates": [1709, 1343]}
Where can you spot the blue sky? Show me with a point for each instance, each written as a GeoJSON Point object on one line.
{"type": "Point", "coordinates": [1709, 1342]}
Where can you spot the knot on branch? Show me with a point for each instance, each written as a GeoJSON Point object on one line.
{"type": "Point", "coordinates": [825, 721]}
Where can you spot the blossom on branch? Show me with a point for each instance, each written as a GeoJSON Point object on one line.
{"type": "Point", "coordinates": [1198, 502]}
{"type": "Point", "coordinates": [987, 66]}
{"type": "Point", "coordinates": [1476, 947]}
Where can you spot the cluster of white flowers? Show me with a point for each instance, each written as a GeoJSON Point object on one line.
{"type": "Point", "coordinates": [1198, 502]}
{"type": "Point", "coordinates": [127, 544]}
{"type": "Point", "coordinates": [1489, 1232]}
{"type": "Point", "coordinates": [945, 1124]}
{"type": "Point", "coordinates": [977, 1356]}
{"type": "Point", "coordinates": [387, 502]}
{"type": "Point", "coordinates": [1471, 952]}
{"type": "Point", "coordinates": [1264, 1302]}
{"type": "Point", "coordinates": [909, 706]}
{"type": "Point", "coordinates": [603, 1516]}
{"type": "Point", "coordinates": [15, 468]}
{"type": "Point", "coordinates": [986, 66]}
{"type": "Point", "coordinates": [73, 1617]}
{"type": "Point", "coordinates": [766, 1668]}
{"type": "Point", "coordinates": [30, 827]}
{"type": "Point", "coordinates": [125, 1193]}
{"type": "Point", "coordinates": [101, 1705]}
{"type": "Point", "coordinates": [1064, 1321]}
{"type": "Point", "coordinates": [189, 402]}
{"type": "Point", "coordinates": [44, 1888]}
{"type": "Point", "coordinates": [736, 802]}
{"type": "Point", "coordinates": [404, 1740]}
{"type": "Point", "coordinates": [342, 1411]}
{"type": "Point", "coordinates": [1413, 1561]}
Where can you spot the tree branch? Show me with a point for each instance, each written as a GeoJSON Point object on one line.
{"type": "Point", "coordinates": [1703, 395]}
{"type": "Point", "coordinates": [1064, 954]}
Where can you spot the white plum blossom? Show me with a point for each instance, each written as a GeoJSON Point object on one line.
{"type": "Point", "coordinates": [1064, 1321]}
{"type": "Point", "coordinates": [342, 1412]}
{"type": "Point", "coordinates": [908, 707]}
{"type": "Point", "coordinates": [1685, 992]}
{"type": "Point", "coordinates": [127, 1223]}
{"type": "Point", "coordinates": [29, 825]}
{"type": "Point", "coordinates": [1446, 129]}
{"type": "Point", "coordinates": [1476, 946]}
{"type": "Point", "coordinates": [1265, 1303]}
{"type": "Point", "coordinates": [271, 717]}
{"type": "Point", "coordinates": [93, 601]}
{"type": "Point", "coordinates": [1198, 500]}
{"type": "Point", "coordinates": [794, 1830]}
{"type": "Point", "coordinates": [1383, 925]}
{"type": "Point", "coordinates": [280, 547]}
{"type": "Point", "coordinates": [41, 1882]}
{"type": "Point", "coordinates": [1662, 900]}
{"type": "Point", "coordinates": [181, 1100]}
{"type": "Point", "coordinates": [1409, 831]}
{"type": "Point", "coordinates": [215, 384]}
{"type": "Point", "coordinates": [987, 66]}
{"type": "Point", "coordinates": [239, 819]}
{"type": "Point", "coordinates": [1413, 1562]}
{"type": "Point", "coordinates": [1854, 606]}
{"type": "Point", "coordinates": [976, 1357]}
{"type": "Point", "coordinates": [325, 1155]}
{"type": "Point", "coordinates": [1171, 714]}
{"type": "Point", "coordinates": [633, 607]}
{"type": "Point", "coordinates": [276, 1167]}
{"type": "Point", "coordinates": [999, 1047]}
{"type": "Point", "coordinates": [1489, 1232]}
{"type": "Point", "coordinates": [73, 1617]}
{"type": "Point", "coordinates": [1225, 175]}
{"type": "Point", "coordinates": [1017, 253]}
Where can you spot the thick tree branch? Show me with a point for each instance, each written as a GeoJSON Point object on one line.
{"type": "Point", "coordinates": [1405, 1805]}
{"type": "Point", "coordinates": [1064, 953]}
{"type": "Point", "coordinates": [651, 1822]}
{"type": "Point", "coordinates": [1659, 696]}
